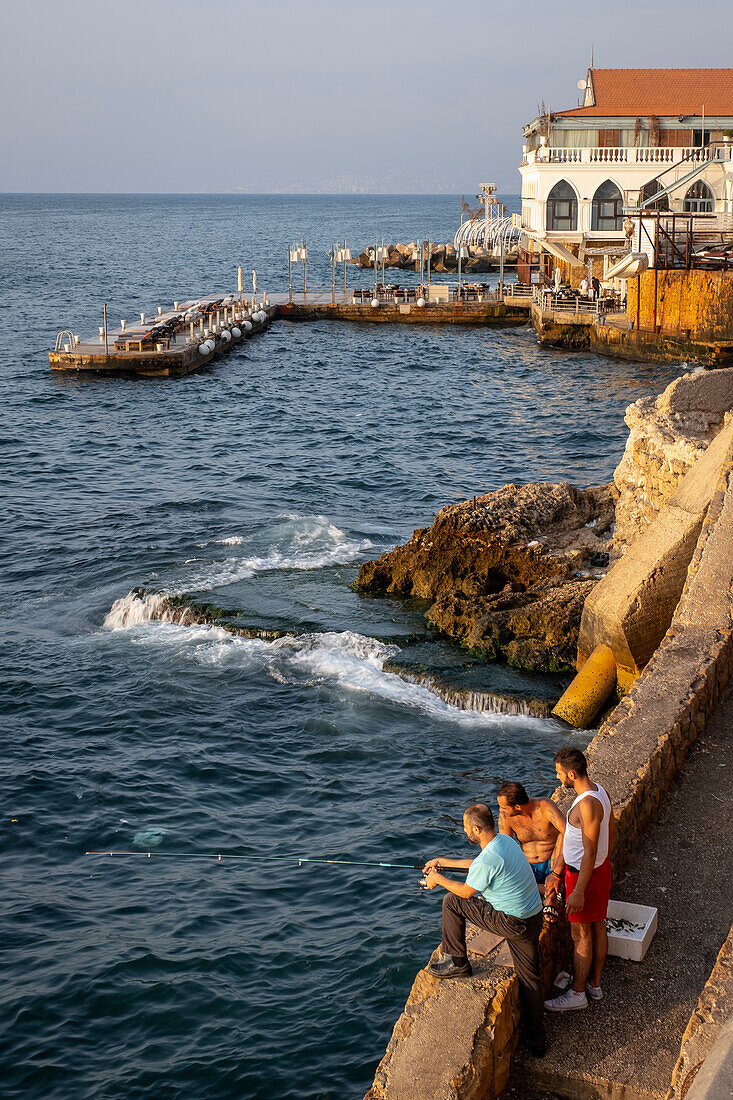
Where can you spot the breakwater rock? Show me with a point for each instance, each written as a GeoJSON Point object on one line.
{"type": "Point", "coordinates": [667, 435]}
{"type": "Point", "coordinates": [443, 257]}
{"type": "Point", "coordinates": [507, 572]}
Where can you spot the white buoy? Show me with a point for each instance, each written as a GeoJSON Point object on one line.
{"type": "Point", "coordinates": [236, 333]}
{"type": "Point", "coordinates": [421, 302]}
{"type": "Point", "coordinates": [226, 335]}
{"type": "Point", "coordinates": [247, 326]}
{"type": "Point", "coordinates": [374, 303]}
{"type": "Point", "coordinates": [204, 348]}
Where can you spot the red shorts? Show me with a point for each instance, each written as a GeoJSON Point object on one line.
{"type": "Point", "coordinates": [597, 893]}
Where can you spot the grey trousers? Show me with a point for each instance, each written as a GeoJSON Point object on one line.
{"type": "Point", "coordinates": [523, 938]}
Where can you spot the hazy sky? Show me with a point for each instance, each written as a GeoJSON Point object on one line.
{"type": "Point", "coordinates": [304, 95]}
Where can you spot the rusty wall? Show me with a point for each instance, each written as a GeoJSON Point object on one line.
{"type": "Point", "coordinates": [698, 303]}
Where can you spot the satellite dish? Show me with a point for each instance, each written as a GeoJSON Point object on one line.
{"type": "Point", "coordinates": [582, 85]}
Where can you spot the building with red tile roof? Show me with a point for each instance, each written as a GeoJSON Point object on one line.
{"type": "Point", "coordinates": [638, 139]}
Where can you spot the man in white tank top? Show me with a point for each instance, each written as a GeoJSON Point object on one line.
{"type": "Point", "coordinates": [586, 844]}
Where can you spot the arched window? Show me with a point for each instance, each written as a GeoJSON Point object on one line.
{"type": "Point", "coordinates": [699, 199]}
{"type": "Point", "coordinates": [562, 208]}
{"type": "Point", "coordinates": [607, 212]}
{"type": "Point", "coordinates": [650, 189]}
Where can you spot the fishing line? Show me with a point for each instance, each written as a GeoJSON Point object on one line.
{"type": "Point", "coordinates": [300, 860]}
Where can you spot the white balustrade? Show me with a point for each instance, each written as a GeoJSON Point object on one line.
{"type": "Point", "coordinates": [611, 154]}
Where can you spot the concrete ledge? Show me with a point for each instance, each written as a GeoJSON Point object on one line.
{"type": "Point", "coordinates": [455, 1040]}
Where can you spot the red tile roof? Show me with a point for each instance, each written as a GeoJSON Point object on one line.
{"type": "Point", "coordinates": [644, 92]}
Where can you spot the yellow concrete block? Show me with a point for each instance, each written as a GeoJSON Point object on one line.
{"type": "Point", "coordinates": [589, 690]}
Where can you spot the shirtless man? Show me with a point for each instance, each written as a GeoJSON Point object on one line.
{"type": "Point", "coordinates": [539, 826]}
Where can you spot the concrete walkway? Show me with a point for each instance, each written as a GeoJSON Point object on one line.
{"type": "Point", "coordinates": [627, 1045]}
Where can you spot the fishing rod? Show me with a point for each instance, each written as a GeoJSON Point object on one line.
{"type": "Point", "coordinates": [300, 860]}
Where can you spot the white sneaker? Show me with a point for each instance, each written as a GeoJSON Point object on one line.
{"type": "Point", "coordinates": [594, 992]}
{"type": "Point", "coordinates": [568, 1001]}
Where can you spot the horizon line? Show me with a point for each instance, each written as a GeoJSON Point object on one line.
{"type": "Point", "coordinates": [246, 194]}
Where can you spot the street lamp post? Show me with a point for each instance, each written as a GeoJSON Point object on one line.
{"type": "Point", "coordinates": [342, 255]}
{"type": "Point", "coordinates": [332, 256]}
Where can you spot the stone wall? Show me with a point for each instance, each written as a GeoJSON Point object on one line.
{"type": "Point", "coordinates": [698, 303]}
{"type": "Point", "coordinates": [644, 743]}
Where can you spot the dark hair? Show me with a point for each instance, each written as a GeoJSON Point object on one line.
{"type": "Point", "coordinates": [514, 793]}
{"type": "Point", "coordinates": [571, 760]}
{"type": "Point", "coordinates": [479, 814]}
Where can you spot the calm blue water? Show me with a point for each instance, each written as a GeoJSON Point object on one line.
{"type": "Point", "coordinates": [260, 483]}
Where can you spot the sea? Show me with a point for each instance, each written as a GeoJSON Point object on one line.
{"type": "Point", "coordinates": [258, 484]}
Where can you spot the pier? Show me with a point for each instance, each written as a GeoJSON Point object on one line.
{"type": "Point", "coordinates": [182, 339]}
{"type": "Point", "coordinates": [169, 343]}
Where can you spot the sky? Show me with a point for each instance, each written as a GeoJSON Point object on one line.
{"type": "Point", "coordinates": [181, 96]}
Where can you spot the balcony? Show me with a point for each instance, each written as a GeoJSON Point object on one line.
{"type": "Point", "coordinates": [654, 155]}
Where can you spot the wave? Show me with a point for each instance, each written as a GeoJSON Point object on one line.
{"type": "Point", "coordinates": [295, 543]}
{"type": "Point", "coordinates": [345, 660]}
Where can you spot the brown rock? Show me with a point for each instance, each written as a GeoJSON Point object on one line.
{"type": "Point", "coordinates": [502, 570]}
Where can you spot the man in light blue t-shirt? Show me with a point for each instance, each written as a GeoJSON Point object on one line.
{"type": "Point", "coordinates": [500, 894]}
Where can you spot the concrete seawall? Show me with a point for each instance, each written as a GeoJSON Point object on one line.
{"type": "Point", "coordinates": [637, 754]}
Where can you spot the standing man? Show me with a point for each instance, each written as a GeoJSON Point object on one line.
{"type": "Point", "coordinates": [589, 837]}
{"type": "Point", "coordinates": [539, 827]}
{"type": "Point", "coordinates": [499, 894]}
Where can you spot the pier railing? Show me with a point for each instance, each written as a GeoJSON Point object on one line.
{"type": "Point", "coordinates": [551, 302]}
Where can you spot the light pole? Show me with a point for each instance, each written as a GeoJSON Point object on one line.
{"type": "Point", "coordinates": [343, 255]}
{"type": "Point", "coordinates": [332, 257]}
{"type": "Point", "coordinates": [304, 257]}
{"type": "Point", "coordinates": [462, 253]}
{"type": "Point", "coordinates": [293, 258]}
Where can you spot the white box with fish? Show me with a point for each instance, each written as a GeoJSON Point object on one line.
{"type": "Point", "coordinates": [630, 929]}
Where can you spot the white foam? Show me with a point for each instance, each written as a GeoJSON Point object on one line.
{"type": "Point", "coordinates": [296, 543]}
{"type": "Point", "coordinates": [345, 660]}
{"type": "Point", "coordinates": [130, 611]}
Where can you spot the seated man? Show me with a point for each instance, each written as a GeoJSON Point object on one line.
{"type": "Point", "coordinates": [499, 894]}
{"type": "Point", "coordinates": [539, 827]}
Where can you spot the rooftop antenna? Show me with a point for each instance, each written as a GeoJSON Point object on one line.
{"type": "Point", "coordinates": [591, 55]}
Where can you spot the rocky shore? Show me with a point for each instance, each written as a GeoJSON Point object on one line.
{"type": "Point", "coordinates": [508, 573]}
